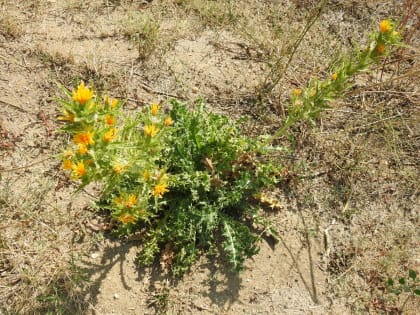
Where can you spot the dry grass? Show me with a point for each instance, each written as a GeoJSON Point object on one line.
{"type": "Point", "coordinates": [356, 172]}
{"type": "Point", "coordinates": [41, 245]}
{"type": "Point", "coordinates": [9, 28]}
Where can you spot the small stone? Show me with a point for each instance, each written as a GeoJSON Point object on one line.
{"type": "Point", "coordinates": [194, 89]}
{"type": "Point", "coordinates": [94, 255]}
{"type": "Point", "coordinates": [116, 296]}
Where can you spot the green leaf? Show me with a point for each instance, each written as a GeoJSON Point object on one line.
{"type": "Point", "coordinates": [402, 281]}
{"type": "Point", "coordinates": [390, 282]}
{"type": "Point", "coordinates": [229, 244]}
{"type": "Point", "coordinates": [412, 274]}
{"type": "Point", "coordinates": [416, 291]}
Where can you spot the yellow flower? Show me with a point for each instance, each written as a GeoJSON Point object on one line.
{"type": "Point", "coordinates": [380, 48]}
{"type": "Point", "coordinates": [83, 149]}
{"type": "Point", "coordinates": [82, 94]}
{"type": "Point", "coordinates": [159, 190]}
{"type": "Point", "coordinates": [110, 102]}
{"type": "Point", "coordinates": [334, 76]}
{"type": "Point", "coordinates": [118, 168]}
{"type": "Point", "coordinates": [79, 170]}
{"type": "Point", "coordinates": [68, 116]}
{"type": "Point", "coordinates": [168, 121]}
{"type": "Point", "coordinates": [131, 201]}
{"type": "Point", "coordinates": [110, 135]}
{"type": "Point", "coordinates": [84, 138]}
{"type": "Point", "coordinates": [154, 109]}
{"type": "Point", "coordinates": [67, 165]}
{"type": "Point", "coordinates": [118, 200]}
{"type": "Point", "coordinates": [151, 130]}
{"type": "Point", "coordinates": [385, 26]}
{"type": "Point", "coordinates": [146, 175]}
{"type": "Point", "coordinates": [110, 120]}
{"type": "Point", "coordinates": [297, 92]}
{"type": "Point", "coordinates": [127, 218]}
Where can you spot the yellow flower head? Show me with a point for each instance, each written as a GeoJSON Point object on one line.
{"type": "Point", "coordinates": [110, 120]}
{"type": "Point", "coordinates": [146, 175]}
{"type": "Point", "coordinates": [334, 76]}
{"type": "Point", "coordinates": [110, 102]}
{"type": "Point", "coordinates": [385, 26]}
{"type": "Point", "coordinates": [67, 165]}
{"type": "Point", "coordinates": [79, 170]}
{"type": "Point", "coordinates": [151, 130]}
{"type": "Point", "coordinates": [127, 218]}
{"type": "Point", "coordinates": [297, 92]}
{"type": "Point", "coordinates": [82, 94]}
{"type": "Point", "coordinates": [160, 189]}
{"type": "Point", "coordinates": [131, 201]}
{"type": "Point", "coordinates": [118, 200]}
{"type": "Point", "coordinates": [110, 135]}
{"type": "Point", "coordinates": [168, 121]}
{"type": "Point", "coordinates": [67, 116]}
{"type": "Point", "coordinates": [155, 108]}
{"type": "Point", "coordinates": [82, 149]}
{"type": "Point", "coordinates": [118, 168]}
{"type": "Point", "coordinates": [84, 138]}
{"type": "Point", "coordinates": [380, 48]}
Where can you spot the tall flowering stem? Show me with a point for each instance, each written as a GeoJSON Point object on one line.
{"type": "Point", "coordinates": [310, 101]}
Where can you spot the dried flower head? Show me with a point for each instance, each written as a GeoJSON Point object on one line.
{"type": "Point", "coordinates": [380, 48]}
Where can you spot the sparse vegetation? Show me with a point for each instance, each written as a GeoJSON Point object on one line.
{"type": "Point", "coordinates": [143, 31]}
{"type": "Point", "coordinates": [9, 27]}
{"type": "Point", "coordinates": [345, 208]}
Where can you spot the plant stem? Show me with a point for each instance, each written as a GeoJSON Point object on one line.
{"type": "Point", "coordinates": [278, 70]}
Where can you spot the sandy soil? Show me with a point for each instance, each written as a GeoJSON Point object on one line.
{"type": "Point", "coordinates": [65, 41]}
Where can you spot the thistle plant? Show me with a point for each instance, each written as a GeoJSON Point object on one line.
{"type": "Point", "coordinates": [309, 102]}
{"type": "Point", "coordinates": [186, 179]}
{"type": "Point", "coordinates": [189, 180]}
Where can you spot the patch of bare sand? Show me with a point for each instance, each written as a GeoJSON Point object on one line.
{"type": "Point", "coordinates": [287, 278]}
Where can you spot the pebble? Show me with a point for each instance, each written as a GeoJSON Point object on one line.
{"type": "Point", "coordinates": [116, 296]}
{"type": "Point", "coordinates": [94, 255]}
